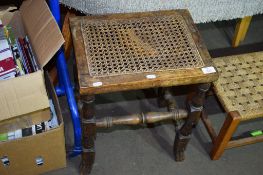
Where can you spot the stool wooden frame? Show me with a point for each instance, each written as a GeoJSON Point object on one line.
{"type": "Point", "coordinates": [132, 81]}
{"type": "Point", "coordinates": [244, 102]}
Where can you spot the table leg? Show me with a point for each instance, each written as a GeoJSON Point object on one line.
{"type": "Point", "coordinates": [160, 99]}
{"type": "Point", "coordinates": [195, 107]}
{"type": "Point", "coordinates": [241, 30]}
{"type": "Point", "coordinates": [88, 134]}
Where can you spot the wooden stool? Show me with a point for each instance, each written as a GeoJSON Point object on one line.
{"type": "Point", "coordinates": [240, 91]}
{"type": "Point", "coordinates": [136, 51]}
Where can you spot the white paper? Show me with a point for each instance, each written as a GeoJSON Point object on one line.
{"type": "Point", "coordinates": [151, 76]}
{"type": "Point", "coordinates": [208, 70]}
{"type": "Point", "coordinates": [96, 84]}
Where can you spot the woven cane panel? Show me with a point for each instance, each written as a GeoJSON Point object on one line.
{"type": "Point", "coordinates": [146, 44]}
{"type": "Point", "coordinates": [240, 84]}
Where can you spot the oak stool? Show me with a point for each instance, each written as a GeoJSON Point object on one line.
{"type": "Point", "coordinates": [118, 52]}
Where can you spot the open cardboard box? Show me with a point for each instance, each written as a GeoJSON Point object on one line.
{"type": "Point", "coordinates": [24, 154]}
{"type": "Point", "coordinates": [24, 99]}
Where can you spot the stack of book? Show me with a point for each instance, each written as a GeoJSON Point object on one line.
{"type": "Point", "coordinates": [35, 129]}
{"type": "Point", "coordinates": [16, 55]}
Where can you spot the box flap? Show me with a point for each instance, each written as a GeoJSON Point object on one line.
{"type": "Point", "coordinates": [16, 23]}
{"type": "Point", "coordinates": [42, 29]}
{"type": "Point", "coordinates": [22, 95]}
{"type": "Point", "coordinates": [6, 14]}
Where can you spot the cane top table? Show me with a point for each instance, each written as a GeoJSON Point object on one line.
{"type": "Point", "coordinates": [118, 52]}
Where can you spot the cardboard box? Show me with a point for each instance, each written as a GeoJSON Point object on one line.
{"type": "Point", "coordinates": [24, 121]}
{"type": "Point", "coordinates": [24, 154]}
{"type": "Point", "coordinates": [25, 97]}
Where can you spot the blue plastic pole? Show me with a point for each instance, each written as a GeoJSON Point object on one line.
{"type": "Point", "coordinates": [65, 86]}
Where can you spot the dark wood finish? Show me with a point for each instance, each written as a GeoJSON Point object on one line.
{"type": "Point", "coordinates": [180, 141]}
{"type": "Point", "coordinates": [164, 79]}
{"type": "Point", "coordinates": [66, 33]}
{"type": "Point", "coordinates": [67, 44]}
{"type": "Point", "coordinates": [88, 134]}
{"type": "Point", "coordinates": [169, 100]}
{"type": "Point", "coordinates": [244, 141]}
{"type": "Point", "coordinates": [160, 98]}
{"type": "Point", "coordinates": [225, 134]}
{"type": "Point", "coordinates": [195, 107]}
{"type": "Point", "coordinates": [129, 81]}
{"type": "Point", "coordinates": [143, 118]}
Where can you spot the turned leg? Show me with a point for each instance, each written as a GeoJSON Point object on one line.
{"type": "Point", "coordinates": [195, 107]}
{"type": "Point", "coordinates": [88, 134]}
{"type": "Point", "coordinates": [160, 99]}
